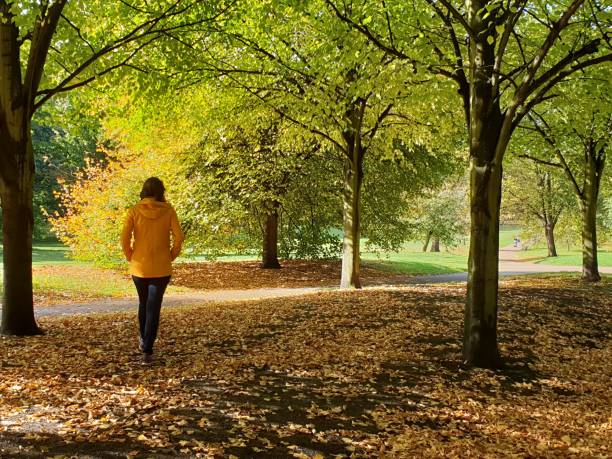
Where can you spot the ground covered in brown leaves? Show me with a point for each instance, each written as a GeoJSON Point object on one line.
{"type": "Point", "coordinates": [362, 374]}
{"type": "Point", "coordinates": [248, 274]}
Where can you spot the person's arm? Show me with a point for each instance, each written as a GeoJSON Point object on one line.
{"type": "Point", "coordinates": [126, 235]}
{"type": "Point", "coordinates": [177, 236]}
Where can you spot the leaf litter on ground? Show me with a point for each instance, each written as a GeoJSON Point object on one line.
{"type": "Point", "coordinates": [374, 373]}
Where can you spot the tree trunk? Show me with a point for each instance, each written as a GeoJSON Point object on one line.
{"type": "Point", "coordinates": [427, 241]}
{"type": "Point", "coordinates": [480, 333]}
{"type": "Point", "coordinates": [595, 161]}
{"type": "Point", "coordinates": [484, 127]}
{"type": "Point", "coordinates": [353, 175]}
{"type": "Point", "coordinates": [549, 230]}
{"type": "Point", "coordinates": [270, 240]}
{"type": "Point", "coordinates": [435, 244]}
{"type": "Point", "coordinates": [17, 222]}
{"type": "Point", "coordinates": [16, 181]}
{"type": "Point", "coordinates": [590, 268]}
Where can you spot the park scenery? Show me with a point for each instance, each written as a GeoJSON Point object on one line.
{"type": "Point", "coordinates": [397, 219]}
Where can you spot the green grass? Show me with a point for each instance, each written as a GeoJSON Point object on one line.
{"type": "Point", "coordinates": [84, 285]}
{"type": "Point", "coordinates": [49, 253]}
{"type": "Point", "coordinates": [57, 276]}
{"type": "Point", "coordinates": [507, 234]}
{"type": "Point", "coordinates": [565, 258]}
{"type": "Point", "coordinates": [406, 262]}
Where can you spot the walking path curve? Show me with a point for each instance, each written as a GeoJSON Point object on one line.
{"type": "Point", "coordinates": [509, 265]}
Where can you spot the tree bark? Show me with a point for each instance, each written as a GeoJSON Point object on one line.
{"type": "Point", "coordinates": [427, 241]}
{"type": "Point", "coordinates": [270, 240]}
{"type": "Point", "coordinates": [549, 230]}
{"type": "Point", "coordinates": [17, 223]}
{"type": "Point", "coordinates": [480, 333]}
{"type": "Point", "coordinates": [351, 196]}
{"type": "Point", "coordinates": [588, 206]}
{"type": "Point", "coordinates": [485, 139]}
{"type": "Point", "coordinates": [435, 244]}
{"type": "Point", "coordinates": [590, 268]}
{"type": "Point", "coordinates": [353, 176]}
{"type": "Point", "coordinates": [16, 181]}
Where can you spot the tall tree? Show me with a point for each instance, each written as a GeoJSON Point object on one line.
{"type": "Point", "coordinates": [49, 48]}
{"type": "Point", "coordinates": [576, 138]}
{"type": "Point", "coordinates": [506, 57]}
{"type": "Point", "coordinates": [296, 58]}
{"type": "Point", "coordinates": [536, 198]}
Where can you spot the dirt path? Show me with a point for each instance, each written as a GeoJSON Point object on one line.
{"type": "Point", "coordinates": [510, 264]}
{"type": "Point", "coordinates": [177, 299]}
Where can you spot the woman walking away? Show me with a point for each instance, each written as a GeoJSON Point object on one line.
{"type": "Point", "coordinates": [151, 223]}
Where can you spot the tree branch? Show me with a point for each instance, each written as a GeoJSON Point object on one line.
{"type": "Point", "coordinates": [541, 161]}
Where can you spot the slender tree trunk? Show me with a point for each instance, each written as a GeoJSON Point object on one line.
{"type": "Point", "coordinates": [17, 223]}
{"type": "Point", "coordinates": [353, 175]}
{"type": "Point", "coordinates": [595, 161]}
{"type": "Point", "coordinates": [549, 230]}
{"type": "Point", "coordinates": [427, 241]}
{"type": "Point", "coordinates": [270, 240]}
{"type": "Point", "coordinates": [351, 196]}
{"type": "Point", "coordinates": [435, 244]}
{"type": "Point", "coordinates": [590, 268]}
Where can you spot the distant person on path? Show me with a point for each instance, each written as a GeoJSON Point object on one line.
{"type": "Point", "coordinates": [151, 240]}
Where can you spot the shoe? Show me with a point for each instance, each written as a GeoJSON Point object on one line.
{"type": "Point", "coordinates": [147, 359]}
{"type": "Point", "coordinates": [140, 344]}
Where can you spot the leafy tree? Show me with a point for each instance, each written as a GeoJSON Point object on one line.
{"type": "Point", "coordinates": [399, 196]}
{"type": "Point", "coordinates": [440, 216]}
{"type": "Point", "coordinates": [248, 162]}
{"type": "Point", "coordinates": [325, 78]}
{"type": "Point", "coordinates": [49, 48]}
{"type": "Point", "coordinates": [536, 197]}
{"type": "Point", "coordinates": [505, 57]}
{"type": "Point", "coordinates": [577, 134]}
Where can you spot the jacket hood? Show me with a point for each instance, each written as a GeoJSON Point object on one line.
{"type": "Point", "coordinates": [152, 209]}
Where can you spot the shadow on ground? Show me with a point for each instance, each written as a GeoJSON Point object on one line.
{"type": "Point", "coordinates": [339, 375]}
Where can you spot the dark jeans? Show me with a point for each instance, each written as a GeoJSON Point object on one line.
{"type": "Point", "coordinates": [150, 296]}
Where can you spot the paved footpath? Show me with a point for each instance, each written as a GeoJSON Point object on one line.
{"type": "Point", "coordinates": [509, 265]}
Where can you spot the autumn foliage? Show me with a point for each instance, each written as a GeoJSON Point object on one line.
{"type": "Point", "coordinates": [93, 205]}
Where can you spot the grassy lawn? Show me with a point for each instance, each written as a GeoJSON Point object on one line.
{"type": "Point", "coordinates": [362, 374]}
{"type": "Point", "coordinates": [572, 257]}
{"type": "Point", "coordinates": [58, 279]}
{"type": "Point", "coordinates": [417, 262]}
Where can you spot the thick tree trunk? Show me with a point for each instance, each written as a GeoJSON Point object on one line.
{"type": "Point", "coordinates": [17, 222]}
{"type": "Point", "coordinates": [427, 239]}
{"type": "Point", "coordinates": [549, 230]}
{"type": "Point", "coordinates": [590, 268]}
{"type": "Point", "coordinates": [480, 334]}
{"type": "Point", "coordinates": [270, 240]}
{"type": "Point", "coordinates": [435, 244]}
{"type": "Point", "coordinates": [353, 175]}
{"type": "Point", "coordinates": [485, 131]}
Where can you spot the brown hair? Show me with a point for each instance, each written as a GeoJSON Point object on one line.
{"type": "Point", "coordinates": [153, 188]}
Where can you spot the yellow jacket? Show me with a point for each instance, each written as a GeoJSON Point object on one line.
{"type": "Point", "coordinates": [151, 223]}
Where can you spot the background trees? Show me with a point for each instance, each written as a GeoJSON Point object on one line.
{"type": "Point", "coordinates": [536, 198]}
{"type": "Point", "coordinates": [325, 78]}
{"type": "Point", "coordinates": [575, 138]}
